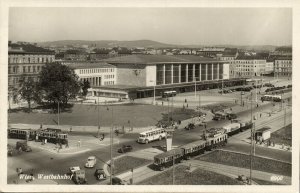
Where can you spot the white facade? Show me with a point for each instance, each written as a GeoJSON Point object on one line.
{"type": "Point", "coordinates": [101, 76]}
{"type": "Point", "coordinates": [249, 68]}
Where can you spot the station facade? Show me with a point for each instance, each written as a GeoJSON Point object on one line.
{"type": "Point", "coordinates": [138, 75]}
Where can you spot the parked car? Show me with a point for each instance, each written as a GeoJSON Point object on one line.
{"type": "Point", "coordinates": [231, 116]}
{"type": "Point", "coordinates": [100, 174]}
{"type": "Point", "coordinates": [91, 162]}
{"type": "Point", "coordinates": [190, 126]}
{"type": "Point", "coordinates": [125, 148]}
{"type": "Point", "coordinates": [78, 175]}
{"type": "Point", "coordinates": [243, 179]}
{"type": "Point", "coordinates": [118, 181]}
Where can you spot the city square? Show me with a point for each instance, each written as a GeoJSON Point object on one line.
{"type": "Point", "coordinates": [201, 109]}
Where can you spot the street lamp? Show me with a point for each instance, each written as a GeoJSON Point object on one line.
{"type": "Point", "coordinates": [195, 80]}
{"type": "Point", "coordinates": [153, 91]}
{"type": "Point", "coordinates": [111, 145]}
{"type": "Point", "coordinates": [98, 117]}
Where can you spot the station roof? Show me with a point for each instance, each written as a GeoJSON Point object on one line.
{"type": "Point", "coordinates": [85, 65]}
{"type": "Point", "coordinates": [155, 59]}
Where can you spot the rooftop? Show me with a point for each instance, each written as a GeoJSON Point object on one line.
{"type": "Point", "coordinates": [84, 65]}
{"type": "Point", "coordinates": [154, 59]}
{"type": "Point", "coordinates": [15, 48]}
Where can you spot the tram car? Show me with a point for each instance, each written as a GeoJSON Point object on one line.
{"type": "Point", "coordinates": [166, 159]}
{"type": "Point", "coordinates": [16, 133]}
{"type": "Point", "coordinates": [52, 135]}
{"type": "Point", "coordinates": [209, 142]}
{"type": "Point", "coordinates": [193, 149]}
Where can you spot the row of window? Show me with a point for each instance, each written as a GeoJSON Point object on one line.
{"type": "Point", "coordinates": [95, 70]}
{"type": "Point", "coordinates": [250, 61]}
{"type": "Point", "coordinates": [24, 59]}
{"type": "Point", "coordinates": [109, 82]}
{"type": "Point", "coordinates": [14, 81]}
{"type": "Point", "coordinates": [24, 69]}
{"type": "Point", "coordinates": [283, 62]}
{"type": "Point", "coordinates": [109, 76]}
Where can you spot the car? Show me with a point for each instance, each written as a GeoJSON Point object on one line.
{"type": "Point", "coordinates": [118, 181]}
{"type": "Point", "coordinates": [231, 116]}
{"type": "Point", "coordinates": [74, 169]}
{"type": "Point", "coordinates": [100, 174]}
{"type": "Point", "coordinates": [190, 126]}
{"type": "Point", "coordinates": [243, 179]}
{"type": "Point", "coordinates": [91, 162]}
{"type": "Point", "coordinates": [125, 148]}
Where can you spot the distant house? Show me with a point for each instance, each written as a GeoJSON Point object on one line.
{"type": "Point", "coordinates": [75, 55]}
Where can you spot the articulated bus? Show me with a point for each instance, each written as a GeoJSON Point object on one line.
{"type": "Point", "coordinates": [152, 135]}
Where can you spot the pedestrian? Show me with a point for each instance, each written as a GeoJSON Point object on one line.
{"type": "Point", "coordinates": [257, 105]}
{"type": "Point", "coordinates": [205, 125]}
{"type": "Point", "coordinates": [70, 129]}
{"type": "Point", "coordinates": [41, 126]}
{"type": "Point", "coordinates": [260, 115]}
{"type": "Point", "coordinates": [185, 100]}
{"type": "Point", "coordinates": [231, 108]}
{"type": "Point", "coordinates": [187, 105]}
{"type": "Point", "coordinates": [162, 103]}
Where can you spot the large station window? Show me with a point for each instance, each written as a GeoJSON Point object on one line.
{"type": "Point", "coordinates": [159, 74]}
{"type": "Point", "coordinates": [168, 77]}
{"type": "Point", "coordinates": [221, 71]}
{"type": "Point", "coordinates": [197, 66]}
{"type": "Point", "coordinates": [203, 71]}
{"type": "Point", "coordinates": [176, 73]}
{"type": "Point", "coordinates": [215, 70]}
{"type": "Point", "coordinates": [183, 72]}
{"type": "Point", "coordinates": [190, 73]}
{"type": "Point", "coordinates": [209, 71]}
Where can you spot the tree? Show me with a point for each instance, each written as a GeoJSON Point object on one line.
{"type": "Point", "coordinates": [85, 85]}
{"type": "Point", "coordinates": [59, 83]}
{"type": "Point", "coordinates": [13, 94]}
{"type": "Point", "coordinates": [29, 91]}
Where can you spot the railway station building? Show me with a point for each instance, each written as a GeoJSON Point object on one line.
{"type": "Point", "coordinates": [138, 75]}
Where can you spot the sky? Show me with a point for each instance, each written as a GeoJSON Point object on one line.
{"type": "Point", "coordinates": [185, 26]}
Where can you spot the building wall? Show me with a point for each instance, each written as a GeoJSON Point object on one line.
{"type": "Point", "coordinates": [283, 68]}
{"type": "Point", "coordinates": [26, 65]}
{"type": "Point", "coordinates": [97, 76]}
{"type": "Point", "coordinates": [130, 74]}
{"type": "Point", "coordinates": [150, 75]}
{"type": "Point", "coordinates": [182, 73]}
{"type": "Point", "coordinates": [248, 68]}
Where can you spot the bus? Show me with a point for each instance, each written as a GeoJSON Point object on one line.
{"type": "Point", "coordinates": [169, 93]}
{"type": "Point", "coordinates": [152, 135]}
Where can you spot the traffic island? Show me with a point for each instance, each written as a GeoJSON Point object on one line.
{"type": "Point", "coordinates": [243, 161]}
{"type": "Point", "coordinates": [184, 176]}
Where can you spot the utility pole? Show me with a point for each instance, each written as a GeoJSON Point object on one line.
{"type": "Point", "coordinates": [199, 105]}
{"type": "Point", "coordinates": [98, 118]}
{"type": "Point", "coordinates": [111, 146]}
{"type": "Point", "coordinates": [284, 120]}
{"type": "Point", "coordinates": [154, 94]}
{"type": "Point", "coordinates": [251, 149]}
{"type": "Point", "coordinates": [58, 114]}
{"type": "Point", "coordinates": [173, 179]}
{"type": "Point", "coordinates": [195, 88]}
